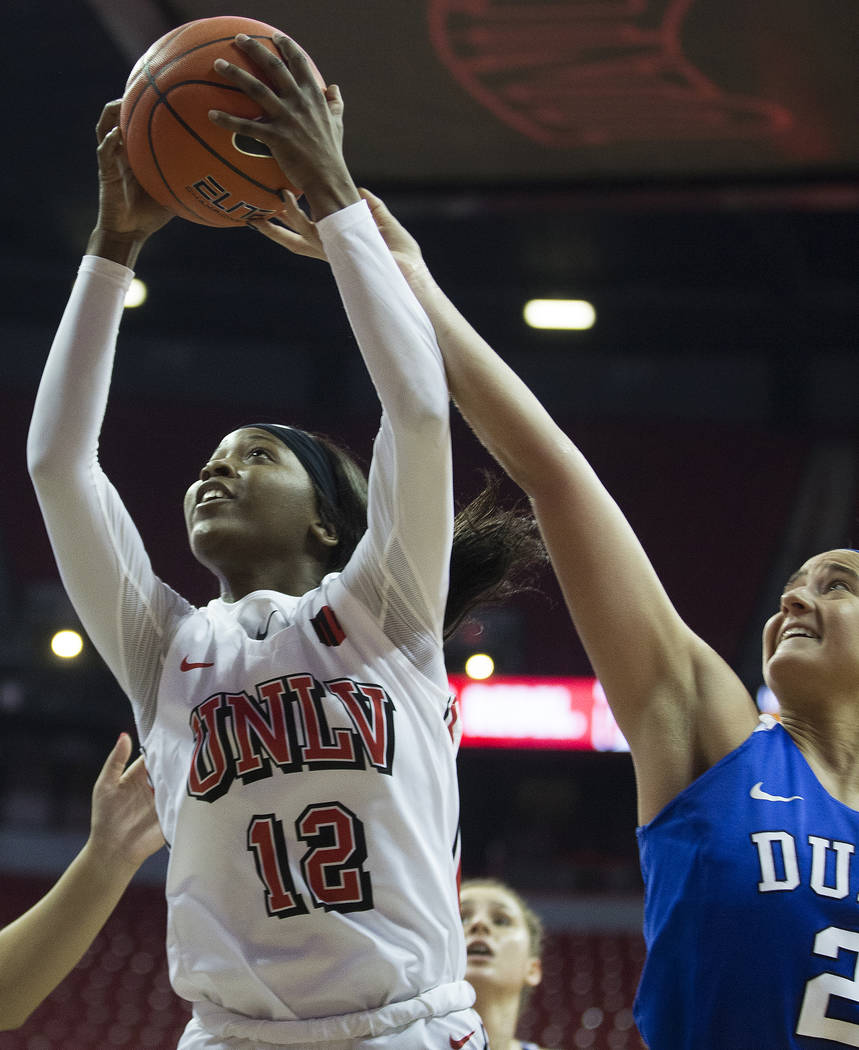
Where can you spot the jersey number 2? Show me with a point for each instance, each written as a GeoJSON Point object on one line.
{"type": "Point", "coordinates": [813, 1019]}
{"type": "Point", "coordinates": [332, 866]}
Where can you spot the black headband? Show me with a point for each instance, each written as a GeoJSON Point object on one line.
{"type": "Point", "coordinates": [309, 453]}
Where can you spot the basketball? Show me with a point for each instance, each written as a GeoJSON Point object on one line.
{"type": "Point", "coordinates": [185, 162]}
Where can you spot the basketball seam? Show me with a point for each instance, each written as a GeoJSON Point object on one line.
{"type": "Point", "coordinates": [163, 100]}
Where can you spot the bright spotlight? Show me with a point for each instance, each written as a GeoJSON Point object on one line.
{"type": "Point", "coordinates": [136, 294]}
{"type": "Point", "coordinates": [573, 314]}
{"type": "Point", "coordinates": [67, 644]}
{"type": "Point", "coordinates": [479, 666]}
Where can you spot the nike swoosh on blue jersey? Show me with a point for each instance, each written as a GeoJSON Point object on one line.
{"type": "Point", "coordinates": [757, 792]}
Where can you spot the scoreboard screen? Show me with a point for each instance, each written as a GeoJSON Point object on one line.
{"type": "Point", "coordinates": [536, 713]}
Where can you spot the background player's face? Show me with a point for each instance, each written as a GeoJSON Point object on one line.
{"type": "Point", "coordinates": [813, 640]}
{"type": "Point", "coordinates": [497, 940]}
{"type": "Point", "coordinates": [253, 500]}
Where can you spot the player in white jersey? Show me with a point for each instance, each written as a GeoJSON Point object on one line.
{"type": "Point", "coordinates": [751, 887]}
{"type": "Point", "coordinates": [298, 729]}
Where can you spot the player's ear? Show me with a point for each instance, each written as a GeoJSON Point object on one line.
{"type": "Point", "coordinates": [534, 973]}
{"type": "Point", "coordinates": [324, 533]}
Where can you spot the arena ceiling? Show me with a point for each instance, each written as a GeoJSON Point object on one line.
{"type": "Point", "coordinates": [692, 166]}
{"type": "Point", "coordinates": [495, 91]}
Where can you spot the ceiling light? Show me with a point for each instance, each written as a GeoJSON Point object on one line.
{"type": "Point", "coordinates": [479, 666]}
{"type": "Point", "coordinates": [576, 314]}
{"type": "Point", "coordinates": [136, 294]}
{"type": "Point", "coordinates": [67, 644]}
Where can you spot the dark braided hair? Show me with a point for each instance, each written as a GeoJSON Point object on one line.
{"type": "Point", "coordinates": [497, 551]}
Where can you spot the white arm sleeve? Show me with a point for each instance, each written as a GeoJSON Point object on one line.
{"type": "Point", "coordinates": [126, 610]}
{"type": "Point", "coordinates": [400, 569]}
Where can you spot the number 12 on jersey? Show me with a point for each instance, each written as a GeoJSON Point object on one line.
{"type": "Point", "coordinates": [332, 866]}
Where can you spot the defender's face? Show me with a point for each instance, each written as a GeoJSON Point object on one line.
{"type": "Point", "coordinates": [813, 639]}
{"type": "Point", "coordinates": [497, 940]}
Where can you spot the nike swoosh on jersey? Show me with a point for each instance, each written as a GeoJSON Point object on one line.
{"type": "Point", "coordinates": [458, 1044]}
{"type": "Point", "coordinates": [186, 665]}
{"type": "Point", "coordinates": [757, 792]}
{"type": "Point", "coordinates": [263, 634]}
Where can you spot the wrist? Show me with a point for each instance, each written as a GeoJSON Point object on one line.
{"type": "Point", "coordinates": [419, 279]}
{"type": "Point", "coordinates": [106, 861]}
{"type": "Point", "coordinates": [417, 276]}
{"type": "Point", "coordinates": [333, 194]}
{"type": "Point", "coordinates": [120, 248]}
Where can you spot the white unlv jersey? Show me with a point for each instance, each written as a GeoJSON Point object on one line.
{"type": "Point", "coordinates": [316, 789]}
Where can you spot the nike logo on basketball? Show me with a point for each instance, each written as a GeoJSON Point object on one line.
{"type": "Point", "coordinates": [186, 665]}
{"type": "Point", "coordinates": [458, 1044]}
{"type": "Point", "coordinates": [757, 792]}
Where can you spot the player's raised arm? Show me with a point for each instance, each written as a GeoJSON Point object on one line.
{"type": "Point", "coordinates": [98, 550]}
{"type": "Point", "coordinates": [680, 706]}
{"type": "Point", "coordinates": [40, 948]}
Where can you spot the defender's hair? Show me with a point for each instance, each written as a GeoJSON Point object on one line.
{"type": "Point", "coordinates": [497, 552]}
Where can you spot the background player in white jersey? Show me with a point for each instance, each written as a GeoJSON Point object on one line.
{"type": "Point", "coordinates": [749, 830]}
{"type": "Point", "coordinates": [503, 945]}
{"type": "Point", "coordinates": [298, 729]}
{"type": "Point", "coordinates": [40, 948]}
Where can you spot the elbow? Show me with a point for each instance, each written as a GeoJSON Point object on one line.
{"type": "Point", "coordinates": [431, 429]}
{"type": "Point", "coordinates": [426, 407]}
{"type": "Point", "coordinates": [37, 461]}
{"type": "Point", "coordinates": [42, 464]}
{"type": "Point", "coordinates": [430, 416]}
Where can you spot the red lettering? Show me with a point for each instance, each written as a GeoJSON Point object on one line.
{"type": "Point", "coordinates": [320, 744]}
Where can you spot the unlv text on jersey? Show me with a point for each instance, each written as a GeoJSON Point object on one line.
{"type": "Point", "coordinates": [290, 724]}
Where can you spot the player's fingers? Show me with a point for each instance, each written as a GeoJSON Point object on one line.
{"type": "Point", "coordinates": [293, 216]}
{"type": "Point", "coordinates": [297, 62]}
{"type": "Point", "coordinates": [108, 119]}
{"type": "Point", "coordinates": [371, 198]}
{"type": "Point", "coordinates": [137, 773]}
{"type": "Point", "coordinates": [114, 764]}
{"type": "Point", "coordinates": [289, 239]}
{"type": "Point", "coordinates": [379, 210]}
{"type": "Point", "coordinates": [109, 146]}
{"type": "Point", "coordinates": [250, 85]}
{"type": "Point", "coordinates": [335, 99]}
{"type": "Point", "coordinates": [255, 129]}
{"type": "Point", "coordinates": [275, 67]}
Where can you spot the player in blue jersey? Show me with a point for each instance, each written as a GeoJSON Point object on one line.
{"type": "Point", "coordinates": [748, 829]}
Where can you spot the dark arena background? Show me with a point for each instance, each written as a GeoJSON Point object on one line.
{"type": "Point", "coordinates": [689, 167]}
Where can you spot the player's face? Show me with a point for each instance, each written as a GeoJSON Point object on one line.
{"type": "Point", "coordinates": [253, 499]}
{"type": "Point", "coordinates": [813, 640]}
{"type": "Point", "coordinates": [497, 940]}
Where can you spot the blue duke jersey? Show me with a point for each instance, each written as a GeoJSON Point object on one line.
{"type": "Point", "coordinates": [301, 748]}
{"type": "Point", "coordinates": [751, 917]}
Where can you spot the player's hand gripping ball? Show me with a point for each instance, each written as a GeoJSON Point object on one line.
{"type": "Point", "coordinates": [185, 162]}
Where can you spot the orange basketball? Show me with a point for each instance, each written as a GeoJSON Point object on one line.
{"type": "Point", "coordinates": [200, 171]}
